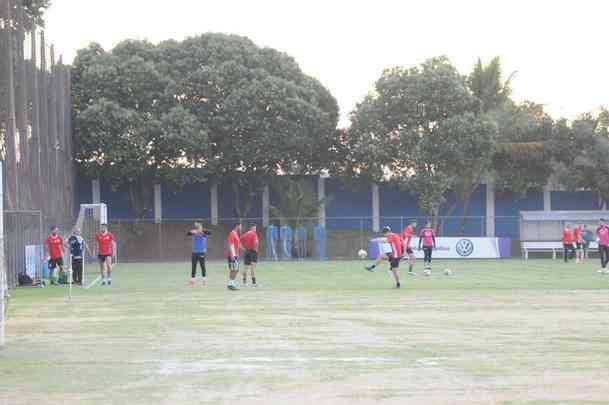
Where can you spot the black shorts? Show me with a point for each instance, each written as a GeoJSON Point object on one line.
{"type": "Point", "coordinates": [251, 256]}
{"type": "Point", "coordinates": [54, 263]}
{"type": "Point", "coordinates": [198, 256]}
{"type": "Point", "coordinates": [579, 245]}
{"type": "Point", "coordinates": [102, 258]}
{"type": "Point", "coordinates": [394, 262]}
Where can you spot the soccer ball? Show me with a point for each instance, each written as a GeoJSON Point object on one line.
{"type": "Point", "coordinates": [448, 272]}
{"type": "Point", "coordinates": [362, 254]}
{"type": "Point", "coordinates": [427, 272]}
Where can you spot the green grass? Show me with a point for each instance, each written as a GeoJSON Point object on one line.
{"type": "Point", "coordinates": [495, 332]}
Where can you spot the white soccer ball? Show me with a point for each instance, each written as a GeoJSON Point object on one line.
{"type": "Point", "coordinates": [427, 272]}
{"type": "Point", "coordinates": [362, 254]}
{"type": "Point", "coordinates": [448, 272]}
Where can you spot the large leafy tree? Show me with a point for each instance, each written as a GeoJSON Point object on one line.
{"type": "Point", "coordinates": [580, 151]}
{"type": "Point", "coordinates": [130, 129]}
{"type": "Point", "coordinates": [486, 82]}
{"type": "Point", "coordinates": [523, 160]}
{"type": "Point", "coordinates": [396, 132]}
{"type": "Point", "coordinates": [265, 116]}
{"type": "Point", "coordinates": [36, 9]}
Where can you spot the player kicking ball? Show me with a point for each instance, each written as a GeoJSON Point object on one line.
{"type": "Point", "coordinates": [232, 253]}
{"type": "Point", "coordinates": [407, 234]}
{"type": "Point", "coordinates": [199, 251]}
{"type": "Point", "coordinates": [427, 238]}
{"type": "Point", "coordinates": [395, 242]}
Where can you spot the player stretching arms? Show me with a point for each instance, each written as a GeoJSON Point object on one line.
{"type": "Point", "coordinates": [54, 244]}
{"type": "Point", "coordinates": [567, 243]}
{"type": "Point", "coordinates": [232, 253]}
{"type": "Point", "coordinates": [407, 237]}
{"type": "Point", "coordinates": [396, 243]}
{"type": "Point", "coordinates": [199, 250]}
{"type": "Point", "coordinates": [578, 238]}
{"type": "Point", "coordinates": [250, 243]}
{"type": "Point", "coordinates": [427, 237]}
{"type": "Point", "coordinates": [105, 251]}
{"type": "Point", "coordinates": [602, 233]}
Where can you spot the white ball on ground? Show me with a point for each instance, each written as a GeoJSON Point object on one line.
{"type": "Point", "coordinates": [362, 254]}
{"type": "Point", "coordinates": [448, 272]}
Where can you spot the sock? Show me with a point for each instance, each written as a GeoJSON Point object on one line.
{"type": "Point", "coordinates": [410, 268]}
{"type": "Point", "coordinates": [253, 280]}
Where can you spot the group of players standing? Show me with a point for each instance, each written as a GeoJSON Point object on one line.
{"type": "Point", "coordinates": [576, 243]}
{"type": "Point", "coordinates": [401, 247]}
{"type": "Point", "coordinates": [234, 243]}
{"type": "Point", "coordinates": [105, 248]}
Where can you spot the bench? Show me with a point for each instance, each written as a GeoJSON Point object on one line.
{"type": "Point", "coordinates": [541, 246]}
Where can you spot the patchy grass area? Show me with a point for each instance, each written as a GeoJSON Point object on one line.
{"type": "Point", "coordinates": [330, 333]}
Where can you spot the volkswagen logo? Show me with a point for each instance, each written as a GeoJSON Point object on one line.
{"type": "Point", "coordinates": [465, 247]}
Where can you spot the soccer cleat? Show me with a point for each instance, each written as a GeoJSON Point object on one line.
{"type": "Point", "coordinates": [369, 268]}
{"type": "Point", "coordinates": [109, 282]}
{"type": "Point", "coordinates": [254, 285]}
{"type": "Point", "coordinates": [191, 283]}
{"type": "Point", "coordinates": [397, 287]}
{"type": "Point", "coordinates": [103, 282]}
{"type": "Point", "coordinates": [204, 281]}
{"type": "Point", "coordinates": [232, 288]}
{"type": "Point", "coordinates": [412, 273]}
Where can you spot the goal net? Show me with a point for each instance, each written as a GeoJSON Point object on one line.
{"type": "Point", "coordinates": [90, 217]}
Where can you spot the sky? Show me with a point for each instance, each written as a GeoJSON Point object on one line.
{"type": "Point", "coordinates": [559, 49]}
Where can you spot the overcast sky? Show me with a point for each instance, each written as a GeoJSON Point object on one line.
{"type": "Point", "coordinates": [559, 48]}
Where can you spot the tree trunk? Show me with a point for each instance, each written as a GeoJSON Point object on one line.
{"type": "Point", "coordinates": [466, 203]}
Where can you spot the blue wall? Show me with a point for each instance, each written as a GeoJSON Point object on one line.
{"type": "Point", "coordinates": [507, 211]}
{"type": "Point", "coordinates": [348, 209]}
{"type": "Point", "coordinates": [567, 201]}
{"type": "Point", "coordinates": [192, 201]}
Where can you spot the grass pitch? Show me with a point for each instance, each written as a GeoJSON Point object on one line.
{"type": "Point", "coordinates": [329, 333]}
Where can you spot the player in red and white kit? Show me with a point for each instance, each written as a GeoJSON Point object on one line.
{"type": "Point", "coordinates": [602, 234]}
{"type": "Point", "coordinates": [567, 243]}
{"type": "Point", "coordinates": [427, 238]}
{"type": "Point", "coordinates": [578, 239]}
{"type": "Point", "coordinates": [396, 243]}
{"type": "Point", "coordinates": [233, 247]}
{"type": "Point", "coordinates": [106, 250]}
{"type": "Point", "coordinates": [407, 235]}
{"type": "Point", "coordinates": [250, 242]}
{"type": "Point", "coordinates": [54, 245]}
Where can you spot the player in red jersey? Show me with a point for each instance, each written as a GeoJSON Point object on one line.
{"type": "Point", "coordinates": [394, 255]}
{"type": "Point", "coordinates": [407, 234]}
{"type": "Point", "coordinates": [106, 250]}
{"type": "Point", "coordinates": [427, 238]}
{"type": "Point", "coordinates": [233, 247]}
{"type": "Point", "coordinates": [567, 243]}
{"type": "Point", "coordinates": [54, 245]}
{"type": "Point", "coordinates": [602, 234]}
{"type": "Point", "coordinates": [578, 239]}
{"type": "Point", "coordinates": [250, 242]}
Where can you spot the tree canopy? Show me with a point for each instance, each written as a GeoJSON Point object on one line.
{"type": "Point", "coordinates": [215, 102]}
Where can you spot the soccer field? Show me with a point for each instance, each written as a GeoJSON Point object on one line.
{"type": "Point", "coordinates": [332, 333]}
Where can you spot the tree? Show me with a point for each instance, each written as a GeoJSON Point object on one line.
{"type": "Point", "coordinates": [265, 117]}
{"type": "Point", "coordinates": [471, 140]}
{"type": "Point", "coordinates": [523, 161]}
{"type": "Point", "coordinates": [396, 131]}
{"type": "Point", "coordinates": [487, 84]}
{"type": "Point", "coordinates": [580, 151]}
{"type": "Point", "coordinates": [129, 128]}
{"type": "Point", "coordinates": [36, 9]}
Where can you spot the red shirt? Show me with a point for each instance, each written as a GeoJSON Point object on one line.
{"type": "Point", "coordinates": [104, 243]}
{"type": "Point", "coordinates": [55, 245]}
{"type": "Point", "coordinates": [233, 240]}
{"type": "Point", "coordinates": [577, 234]}
{"type": "Point", "coordinates": [396, 244]}
{"type": "Point", "coordinates": [603, 235]}
{"type": "Point", "coordinates": [407, 235]}
{"type": "Point", "coordinates": [250, 240]}
{"type": "Point", "coordinates": [567, 236]}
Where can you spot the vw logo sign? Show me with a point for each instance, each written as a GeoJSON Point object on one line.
{"type": "Point", "coordinates": [465, 247]}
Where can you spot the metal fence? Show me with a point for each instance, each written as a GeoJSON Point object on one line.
{"type": "Point", "coordinates": [149, 240]}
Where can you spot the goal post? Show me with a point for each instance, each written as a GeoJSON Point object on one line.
{"type": "Point", "coordinates": [3, 278]}
{"type": "Point", "coordinates": [90, 217]}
